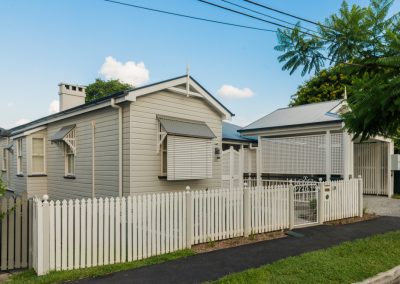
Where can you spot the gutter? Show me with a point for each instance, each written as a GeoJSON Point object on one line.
{"type": "Point", "coordinates": [119, 108]}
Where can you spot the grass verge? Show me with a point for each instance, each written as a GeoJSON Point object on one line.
{"type": "Point", "coordinates": [346, 263]}
{"type": "Point", "coordinates": [29, 276]}
{"type": "Point", "coordinates": [396, 196]}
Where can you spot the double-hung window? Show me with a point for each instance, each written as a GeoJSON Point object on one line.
{"type": "Point", "coordinates": [4, 160]}
{"type": "Point", "coordinates": [67, 136]}
{"type": "Point", "coordinates": [19, 156]}
{"type": "Point", "coordinates": [38, 155]}
{"type": "Point", "coordinates": [69, 161]}
{"type": "Point", "coordinates": [185, 148]}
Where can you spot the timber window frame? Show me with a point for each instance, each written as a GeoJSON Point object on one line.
{"type": "Point", "coordinates": [185, 148]}
{"type": "Point", "coordinates": [67, 137]}
{"type": "Point", "coordinates": [19, 156]}
{"type": "Point", "coordinates": [38, 155]}
{"type": "Point", "coordinates": [69, 159]}
{"type": "Point", "coordinates": [5, 160]}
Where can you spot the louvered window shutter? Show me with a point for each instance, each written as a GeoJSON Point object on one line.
{"type": "Point", "coordinates": [188, 158]}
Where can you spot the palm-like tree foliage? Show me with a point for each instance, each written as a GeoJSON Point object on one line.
{"type": "Point", "coordinates": [367, 44]}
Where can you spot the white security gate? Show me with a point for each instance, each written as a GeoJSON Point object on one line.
{"type": "Point", "coordinates": [231, 168]}
{"type": "Point", "coordinates": [371, 162]}
{"type": "Point", "coordinates": [306, 198]}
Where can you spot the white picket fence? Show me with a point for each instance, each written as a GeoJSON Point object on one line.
{"type": "Point", "coordinates": [269, 208]}
{"type": "Point", "coordinates": [217, 214]}
{"type": "Point", "coordinates": [91, 232]}
{"type": "Point", "coordinates": [342, 199]}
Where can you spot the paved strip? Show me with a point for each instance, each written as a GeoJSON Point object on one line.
{"type": "Point", "coordinates": [213, 265]}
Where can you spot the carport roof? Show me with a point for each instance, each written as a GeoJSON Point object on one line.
{"type": "Point", "coordinates": [297, 116]}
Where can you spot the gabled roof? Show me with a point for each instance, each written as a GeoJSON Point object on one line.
{"type": "Point", "coordinates": [324, 112]}
{"type": "Point", "coordinates": [230, 132]}
{"type": "Point", "coordinates": [147, 89]}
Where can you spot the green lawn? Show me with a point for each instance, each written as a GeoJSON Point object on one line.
{"type": "Point", "coordinates": [396, 196]}
{"type": "Point", "coordinates": [29, 276]}
{"type": "Point", "coordinates": [346, 263]}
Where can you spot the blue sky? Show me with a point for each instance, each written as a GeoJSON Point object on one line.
{"type": "Point", "coordinates": [47, 42]}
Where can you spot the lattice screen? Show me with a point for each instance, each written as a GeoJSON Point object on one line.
{"type": "Point", "coordinates": [294, 155]}
{"type": "Point", "coordinates": [337, 153]}
{"type": "Point", "coordinates": [250, 160]}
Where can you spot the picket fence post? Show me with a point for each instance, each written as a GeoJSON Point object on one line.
{"type": "Point", "coordinates": [360, 196]}
{"type": "Point", "coordinates": [291, 206]}
{"type": "Point", "coordinates": [246, 211]}
{"type": "Point", "coordinates": [46, 235]}
{"type": "Point", "coordinates": [189, 218]}
{"type": "Point", "coordinates": [321, 197]}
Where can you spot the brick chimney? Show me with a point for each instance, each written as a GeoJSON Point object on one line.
{"type": "Point", "coordinates": [71, 95]}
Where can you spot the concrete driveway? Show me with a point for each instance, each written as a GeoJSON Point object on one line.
{"type": "Point", "coordinates": [382, 206]}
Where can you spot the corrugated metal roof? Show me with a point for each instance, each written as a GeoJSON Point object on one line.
{"type": "Point", "coordinates": [298, 115]}
{"type": "Point", "coordinates": [60, 134]}
{"type": "Point", "coordinates": [185, 127]}
{"type": "Point", "coordinates": [29, 125]}
{"type": "Point", "coordinates": [230, 132]}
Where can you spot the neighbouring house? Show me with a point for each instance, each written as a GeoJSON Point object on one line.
{"type": "Point", "coordinates": [163, 136]}
{"type": "Point", "coordinates": [310, 140]}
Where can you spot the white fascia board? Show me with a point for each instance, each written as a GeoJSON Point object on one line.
{"type": "Point", "coordinates": [132, 95]}
{"type": "Point", "coordinates": [29, 132]}
{"type": "Point", "coordinates": [169, 85]}
{"type": "Point", "coordinates": [211, 100]}
{"type": "Point", "coordinates": [67, 115]}
{"type": "Point", "coordinates": [296, 131]}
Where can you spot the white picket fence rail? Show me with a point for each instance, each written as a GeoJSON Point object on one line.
{"type": "Point", "coordinates": [91, 232]}
{"type": "Point", "coordinates": [342, 199]}
{"type": "Point", "coordinates": [269, 208]}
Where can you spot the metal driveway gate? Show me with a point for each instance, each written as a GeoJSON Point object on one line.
{"type": "Point", "coordinates": [306, 198]}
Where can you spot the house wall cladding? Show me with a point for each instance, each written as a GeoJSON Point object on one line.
{"type": "Point", "coordinates": [106, 156]}
{"type": "Point", "coordinates": [145, 161]}
{"type": "Point", "coordinates": [4, 174]}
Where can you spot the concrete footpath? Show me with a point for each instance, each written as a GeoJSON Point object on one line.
{"type": "Point", "coordinates": [213, 265]}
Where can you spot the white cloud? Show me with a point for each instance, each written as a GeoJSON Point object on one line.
{"type": "Point", "coordinates": [129, 72]}
{"type": "Point", "coordinates": [10, 104]}
{"type": "Point", "coordinates": [54, 107]}
{"type": "Point", "coordinates": [21, 121]}
{"type": "Point", "coordinates": [231, 92]}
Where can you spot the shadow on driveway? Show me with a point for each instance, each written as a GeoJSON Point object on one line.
{"type": "Point", "coordinates": [213, 265]}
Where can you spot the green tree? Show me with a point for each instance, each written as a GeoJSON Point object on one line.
{"type": "Point", "coordinates": [3, 187]}
{"type": "Point", "coordinates": [326, 85]}
{"type": "Point", "coordinates": [101, 88]}
{"type": "Point", "coordinates": [366, 41]}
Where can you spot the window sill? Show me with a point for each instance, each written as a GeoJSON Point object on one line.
{"type": "Point", "coordinates": [70, 177]}
{"type": "Point", "coordinates": [20, 175]}
{"type": "Point", "coordinates": [162, 177]}
{"type": "Point", "coordinates": [37, 175]}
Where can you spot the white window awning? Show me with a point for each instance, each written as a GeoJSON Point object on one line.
{"type": "Point", "coordinates": [66, 134]}
{"type": "Point", "coordinates": [185, 127]}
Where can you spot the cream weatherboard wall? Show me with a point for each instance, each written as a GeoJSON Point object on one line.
{"type": "Point", "coordinates": [106, 155]}
{"type": "Point", "coordinates": [145, 161]}
{"type": "Point", "coordinates": [4, 173]}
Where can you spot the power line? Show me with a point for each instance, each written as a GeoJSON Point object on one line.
{"type": "Point", "coordinates": [254, 17]}
{"type": "Point", "coordinates": [265, 15]}
{"type": "Point", "coordinates": [287, 14]}
{"type": "Point", "coordinates": [190, 17]}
